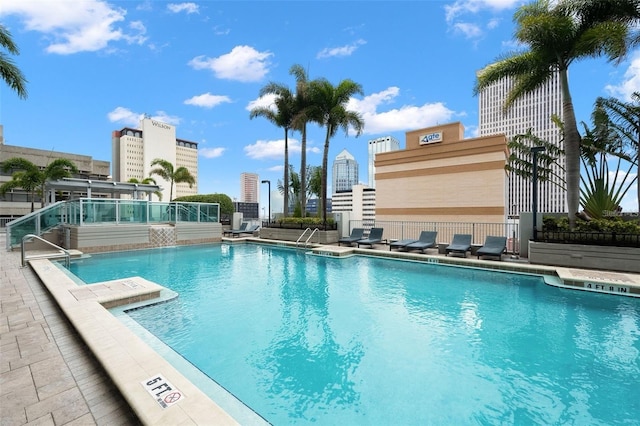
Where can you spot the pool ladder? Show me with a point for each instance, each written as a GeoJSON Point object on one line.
{"type": "Point", "coordinates": [307, 240]}
{"type": "Point", "coordinates": [60, 252]}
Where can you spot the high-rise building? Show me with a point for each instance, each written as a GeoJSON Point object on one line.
{"type": "Point", "coordinates": [249, 188]}
{"type": "Point", "coordinates": [532, 111]}
{"type": "Point", "coordinates": [133, 151]}
{"type": "Point", "coordinates": [384, 144]}
{"type": "Point", "coordinates": [345, 172]}
{"type": "Point", "coordinates": [360, 201]}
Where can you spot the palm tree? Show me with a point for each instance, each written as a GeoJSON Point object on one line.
{"type": "Point", "coordinates": [166, 171]}
{"type": "Point", "coordinates": [625, 118]}
{"type": "Point", "coordinates": [10, 73]}
{"type": "Point", "coordinates": [303, 103]}
{"type": "Point", "coordinates": [556, 34]}
{"type": "Point", "coordinates": [147, 181]}
{"type": "Point", "coordinates": [32, 179]}
{"type": "Point", "coordinates": [282, 117]}
{"type": "Point", "coordinates": [329, 110]}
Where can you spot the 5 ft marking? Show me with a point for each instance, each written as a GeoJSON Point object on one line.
{"type": "Point", "coordinates": [162, 391]}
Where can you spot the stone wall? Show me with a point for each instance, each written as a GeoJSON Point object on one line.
{"type": "Point", "coordinates": [623, 259]}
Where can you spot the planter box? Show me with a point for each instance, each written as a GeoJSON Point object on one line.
{"type": "Point", "coordinates": [285, 234]}
{"type": "Point", "coordinates": [623, 259]}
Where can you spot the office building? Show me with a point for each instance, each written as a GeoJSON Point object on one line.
{"type": "Point", "coordinates": [345, 172]}
{"type": "Point", "coordinates": [533, 111]}
{"type": "Point", "coordinates": [249, 187]}
{"type": "Point", "coordinates": [133, 150]}
{"type": "Point", "coordinates": [384, 144]}
{"type": "Point", "coordinates": [360, 202]}
{"type": "Point", "coordinates": [442, 177]}
{"type": "Point", "coordinates": [17, 202]}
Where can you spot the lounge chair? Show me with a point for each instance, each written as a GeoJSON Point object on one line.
{"type": "Point", "coordinates": [493, 246]}
{"type": "Point", "coordinates": [461, 243]}
{"type": "Point", "coordinates": [356, 234]}
{"type": "Point", "coordinates": [243, 226]}
{"type": "Point", "coordinates": [427, 240]}
{"type": "Point", "coordinates": [375, 237]}
{"type": "Point", "coordinates": [249, 230]}
{"type": "Point", "coordinates": [400, 244]}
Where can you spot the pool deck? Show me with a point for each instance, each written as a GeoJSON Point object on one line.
{"type": "Point", "coordinates": [65, 359]}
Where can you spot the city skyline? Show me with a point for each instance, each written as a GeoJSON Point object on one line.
{"type": "Point", "coordinates": [94, 67]}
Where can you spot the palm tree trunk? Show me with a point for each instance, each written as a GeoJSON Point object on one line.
{"type": "Point", "coordinates": [325, 161]}
{"type": "Point", "coordinates": [303, 172]}
{"type": "Point", "coordinates": [572, 150]}
{"type": "Point", "coordinates": [286, 174]}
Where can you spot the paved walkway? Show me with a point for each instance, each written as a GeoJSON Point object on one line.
{"type": "Point", "coordinates": [47, 375]}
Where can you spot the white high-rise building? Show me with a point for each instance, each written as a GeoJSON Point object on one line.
{"type": "Point", "coordinates": [133, 150]}
{"type": "Point", "coordinates": [360, 202]}
{"type": "Point", "coordinates": [345, 172]}
{"type": "Point", "coordinates": [384, 144]}
{"type": "Point", "coordinates": [532, 111]}
{"type": "Point", "coordinates": [249, 188]}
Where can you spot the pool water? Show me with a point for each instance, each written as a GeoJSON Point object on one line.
{"type": "Point", "coordinates": [309, 339]}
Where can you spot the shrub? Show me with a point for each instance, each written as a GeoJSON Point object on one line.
{"type": "Point", "coordinates": [611, 224]}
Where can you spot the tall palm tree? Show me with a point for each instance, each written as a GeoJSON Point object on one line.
{"type": "Point", "coordinates": [556, 34]}
{"type": "Point", "coordinates": [625, 117]}
{"type": "Point", "coordinates": [166, 171]}
{"type": "Point", "coordinates": [282, 116]}
{"type": "Point", "coordinates": [10, 73]}
{"type": "Point", "coordinates": [303, 103]}
{"type": "Point", "coordinates": [30, 178]}
{"type": "Point", "coordinates": [329, 108]}
{"type": "Point", "coordinates": [146, 181]}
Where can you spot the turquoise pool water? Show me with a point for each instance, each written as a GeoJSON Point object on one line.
{"type": "Point", "coordinates": [315, 340]}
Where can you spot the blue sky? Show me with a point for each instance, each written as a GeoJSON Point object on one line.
{"type": "Point", "coordinates": [96, 66]}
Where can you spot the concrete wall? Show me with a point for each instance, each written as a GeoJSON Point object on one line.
{"type": "Point", "coordinates": [284, 234]}
{"type": "Point", "coordinates": [103, 238]}
{"type": "Point", "coordinates": [623, 259]}
{"type": "Point", "coordinates": [454, 180]}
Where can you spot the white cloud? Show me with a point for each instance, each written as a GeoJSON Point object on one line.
{"type": "Point", "coordinates": [397, 119]}
{"type": "Point", "coordinates": [183, 7]}
{"type": "Point", "coordinates": [467, 29]}
{"type": "Point", "coordinates": [129, 118]}
{"type": "Point", "coordinates": [124, 116]}
{"type": "Point", "coordinates": [630, 82]}
{"type": "Point", "coordinates": [461, 7]}
{"type": "Point", "coordinates": [266, 101]}
{"type": "Point", "coordinates": [72, 27]}
{"type": "Point", "coordinates": [347, 50]}
{"type": "Point", "coordinates": [279, 168]}
{"type": "Point", "coordinates": [274, 149]}
{"type": "Point", "coordinates": [211, 152]}
{"type": "Point", "coordinates": [243, 63]}
{"type": "Point", "coordinates": [207, 100]}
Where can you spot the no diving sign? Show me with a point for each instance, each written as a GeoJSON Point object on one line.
{"type": "Point", "coordinates": [162, 391]}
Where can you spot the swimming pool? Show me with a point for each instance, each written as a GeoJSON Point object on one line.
{"type": "Point", "coordinates": [363, 340]}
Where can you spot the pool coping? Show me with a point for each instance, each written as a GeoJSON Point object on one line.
{"type": "Point", "coordinates": [130, 361]}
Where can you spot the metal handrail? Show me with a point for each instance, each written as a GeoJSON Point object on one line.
{"type": "Point", "coordinates": [303, 234]}
{"type": "Point", "coordinates": [66, 253]}
{"type": "Point", "coordinates": [300, 237]}
{"type": "Point", "coordinates": [307, 241]}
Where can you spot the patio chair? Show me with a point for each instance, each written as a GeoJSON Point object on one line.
{"type": "Point", "coordinates": [243, 226]}
{"type": "Point", "coordinates": [356, 234]}
{"type": "Point", "coordinates": [375, 237]}
{"type": "Point", "coordinates": [427, 240]}
{"type": "Point", "coordinates": [400, 244]}
{"type": "Point", "coordinates": [493, 246]}
{"type": "Point", "coordinates": [249, 230]}
{"type": "Point", "coordinates": [461, 243]}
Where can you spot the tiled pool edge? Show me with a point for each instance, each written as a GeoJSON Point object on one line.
{"type": "Point", "coordinates": [124, 356]}
{"type": "Point", "coordinates": [617, 283]}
